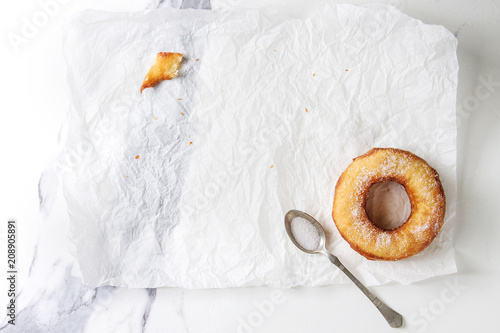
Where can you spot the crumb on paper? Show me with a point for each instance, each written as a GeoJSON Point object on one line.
{"type": "Point", "coordinates": [154, 117]}
{"type": "Point", "coordinates": [272, 166]}
{"type": "Point", "coordinates": [307, 110]}
{"type": "Point", "coordinates": [165, 67]}
{"type": "Point", "coordinates": [179, 99]}
{"type": "Point", "coordinates": [347, 70]}
{"type": "Point", "coordinates": [182, 113]}
{"type": "Point", "coordinates": [314, 74]}
{"type": "Point", "coordinates": [196, 59]}
{"type": "Point", "coordinates": [191, 142]}
{"type": "Point", "coordinates": [137, 157]}
{"type": "Point", "coordinates": [274, 50]}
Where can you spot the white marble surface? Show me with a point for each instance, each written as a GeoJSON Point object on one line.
{"type": "Point", "coordinates": [50, 299]}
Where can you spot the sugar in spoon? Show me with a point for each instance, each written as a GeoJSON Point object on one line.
{"type": "Point", "coordinates": [393, 318]}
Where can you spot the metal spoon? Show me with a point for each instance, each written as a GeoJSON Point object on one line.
{"type": "Point", "coordinates": [393, 318]}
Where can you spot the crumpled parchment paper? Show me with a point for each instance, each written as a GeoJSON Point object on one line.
{"type": "Point", "coordinates": [187, 184]}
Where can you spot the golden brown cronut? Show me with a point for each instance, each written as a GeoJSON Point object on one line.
{"type": "Point", "coordinates": [424, 190]}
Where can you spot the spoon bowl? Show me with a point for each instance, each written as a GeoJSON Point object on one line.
{"type": "Point", "coordinates": [288, 226]}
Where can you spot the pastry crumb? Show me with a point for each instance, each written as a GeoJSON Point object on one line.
{"type": "Point", "coordinates": [166, 67]}
{"type": "Point", "coordinates": [307, 110]}
{"type": "Point", "coordinates": [272, 166]}
{"type": "Point", "coordinates": [154, 117]}
{"type": "Point", "coordinates": [137, 157]}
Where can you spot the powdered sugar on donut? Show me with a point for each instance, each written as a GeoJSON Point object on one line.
{"type": "Point", "coordinates": [424, 193]}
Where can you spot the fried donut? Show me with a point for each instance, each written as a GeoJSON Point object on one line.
{"type": "Point", "coordinates": [424, 190]}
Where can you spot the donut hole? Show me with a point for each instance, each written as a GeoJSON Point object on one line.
{"type": "Point", "coordinates": [388, 205]}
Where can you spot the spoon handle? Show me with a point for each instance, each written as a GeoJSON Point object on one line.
{"type": "Point", "coordinates": [393, 318]}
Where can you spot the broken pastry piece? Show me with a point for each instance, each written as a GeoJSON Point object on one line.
{"type": "Point", "coordinates": [165, 68]}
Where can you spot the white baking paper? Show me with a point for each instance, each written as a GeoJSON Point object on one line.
{"type": "Point", "coordinates": [187, 184]}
